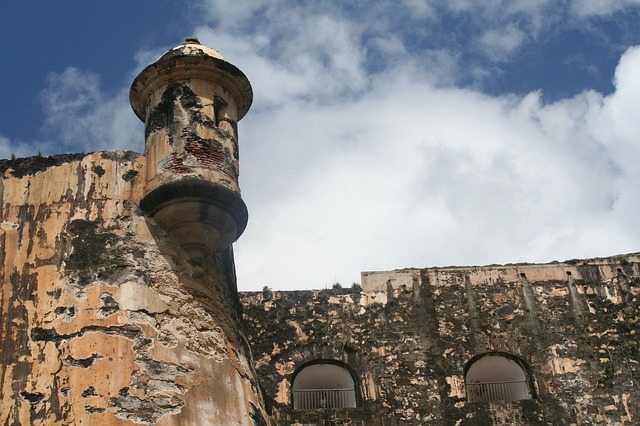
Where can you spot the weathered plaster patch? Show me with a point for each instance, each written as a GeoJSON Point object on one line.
{"type": "Point", "coordinates": [133, 296]}
{"type": "Point", "coordinates": [456, 386]}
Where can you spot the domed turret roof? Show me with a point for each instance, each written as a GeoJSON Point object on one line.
{"type": "Point", "coordinates": [191, 47]}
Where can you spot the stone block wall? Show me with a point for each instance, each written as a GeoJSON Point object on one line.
{"type": "Point", "coordinates": [103, 320]}
{"type": "Point", "coordinates": [409, 334]}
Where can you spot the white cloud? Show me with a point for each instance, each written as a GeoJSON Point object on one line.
{"type": "Point", "coordinates": [503, 42]}
{"type": "Point", "coordinates": [9, 148]}
{"type": "Point", "coordinates": [421, 8]}
{"type": "Point", "coordinates": [324, 64]}
{"type": "Point", "coordinates": [390, 46]}
{"type": "Point", "coordinates": [375, 33]}
{"type": "Point", "coordinates": [231, 14]}
{"type": "Point", "coordinates": [80, 117]}
{"type": "Point", "coordinates": [409, 174]}
{"type": "Point", "coordinates": [601, 7]}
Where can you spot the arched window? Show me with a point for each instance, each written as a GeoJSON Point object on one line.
{"type": "Point", "coordinates": [497, 376]}
{"type": "Point", "coordinates": [323, 384]}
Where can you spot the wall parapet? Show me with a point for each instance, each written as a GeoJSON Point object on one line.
{"type": "Point", "coordinates": [595, 269]}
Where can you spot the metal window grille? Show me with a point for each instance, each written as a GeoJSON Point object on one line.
{"type": "Point", "coordinates": [311, 399]}
{"type": "Point", "coordinates": [498, 391]}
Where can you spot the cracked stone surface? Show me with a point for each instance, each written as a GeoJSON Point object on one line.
{"type": "Point", "coordinates": [408, 334]}
{"type": "Point", "coordinates": [103, 320]}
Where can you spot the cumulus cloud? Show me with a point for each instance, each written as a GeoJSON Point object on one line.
{"type": "Point", "coordinates": [9, 148]}
{"type": "Point", "coordinates": [503, 42]}
{"type": "Point", "coordinates": [601, 7]}
{"type": "Point", "coordinates": [410, 174]}
{"type": "Point", "coordinates": [80, 116]}
{"type": "Point", "coordinates": [474, 33]}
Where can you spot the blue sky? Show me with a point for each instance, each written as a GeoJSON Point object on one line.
{"type": "Point", "coordinates": [383, 134]}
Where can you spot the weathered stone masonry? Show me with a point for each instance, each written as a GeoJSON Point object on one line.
{"type": "Point", "coordinates": [103, 319]}
{"type": "Point", "coordinates": [410, 333]}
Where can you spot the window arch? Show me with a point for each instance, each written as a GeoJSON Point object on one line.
{"type": "Point", "coordinates": [498, 376]}
{"type": "Point", "coordinates": [323, 384]}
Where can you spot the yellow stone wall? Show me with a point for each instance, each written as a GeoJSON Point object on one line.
{"type": "Point", "coordinates": [103, 320]}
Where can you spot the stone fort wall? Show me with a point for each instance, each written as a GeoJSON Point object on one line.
{"type": "Point", "coordinates": [409, 334]}
{"type": "Point", "coordinates": [103, 320]}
